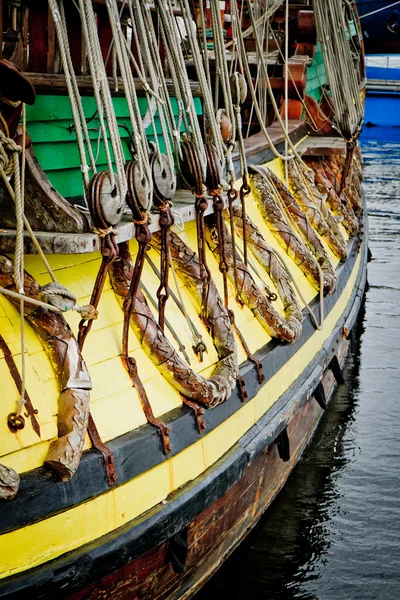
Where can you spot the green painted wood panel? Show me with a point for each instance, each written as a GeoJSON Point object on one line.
{"type": "Point", "coordinates": [316, 75]}
{"type": "Point", "coordinates": [63, 130]}
{"type": "Point", "coordinates": [50, 126]}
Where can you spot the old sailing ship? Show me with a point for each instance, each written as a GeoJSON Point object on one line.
{"type": "Point", "coordinates": [182, 259]}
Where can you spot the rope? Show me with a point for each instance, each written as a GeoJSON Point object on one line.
{"type": "Point", "coordinates": [28, 299]}
{"type": "Point", "coordinates": [26, 222]}
{"type": "Point", "coordinates": [81, 130]}
{"type": "Point", "coordinates": [253, 93]}
{"type": "Point", "coordinates": [20, 189]}
{"type": "Point", "coordinates": [286, 99]}
{"type": "Point", "coordinates": [319, 326]}
{"type": "Point", "coordinates": [262, 95]}
{"type": "Point", "coordinates": [271, 94]}
{"type": "Point", "coordinates": [150, 51]}
{"type": "Point", "coordinates": [140, 140]}
{"type": "Point", "coordinates": [342, 76]}
{"type": "Point", "coordinates": [313, 124]}
{"type": "Point", "coordinates": [162, 99]}
{"type": "Point", "coordinates": [17, 196]}
{"type": "Point", "coordinates": [196, 337]}
{"type": "Point", "coordinates": [209, 108]}
{"type": "Point", "coordinates": [293, 226]}
{"type": "Point", "coordinates": [170, 34]}
{"type": "Point", "coordinates": [103, 99]}
{"type": "Point", "coordinates": [9, 165]}
{"type": "Point", "coordinates": [268, 13]}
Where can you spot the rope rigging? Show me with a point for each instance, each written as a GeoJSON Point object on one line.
{"type": "Point", "coordinates": [203, 158]}
{"type": "Point", "coordinates": [344, 80]}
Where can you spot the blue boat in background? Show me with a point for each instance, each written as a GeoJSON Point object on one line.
{"type": "Point", "coordinates": [380, 22]}
{"type": "Point", "coordinates": [382, 106]}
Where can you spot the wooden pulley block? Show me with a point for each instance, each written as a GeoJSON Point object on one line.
{"type": "Point", "coordinates": [214, 168]}
{"type": "Point", "coordinates": [238, 88]}
{"type": "Point", "coordinates": [305, 49]}
{"type": "Point", "coordinates": [111, 204]}
{"type": "Point", "coordinates": [140, 190]}
{"type": "Point", "coordinates": [105, 205]}
{"type": "Point", "coordinates": [190, 166]}
{"type": "Point", "coordinates": [164, 178]}
{"type": "Point", "coordinates": [225, 125]}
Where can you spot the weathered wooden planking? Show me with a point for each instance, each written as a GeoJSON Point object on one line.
{"type": "Point", "coordinates": [259, 152]}
{"type": "Point", "coordinates": [50, 83]}
{"type": "Point", "coordinates": [323, 146]}
{"type": "Point", "coordinates": [50, 126]}
{"type": "Point", "coordinates": [257, 143]}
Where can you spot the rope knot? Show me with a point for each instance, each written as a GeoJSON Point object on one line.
{"type": "Point", "coordinates": [87, 312]}
{"type": "Point", "coordinates": [142, 221]}
{"type": "Point", "coordinates": [7, 148]}
{"type": "Point", "coordinates": [102, 233]}
{"type": "Point", "coordinates": [57, 295]}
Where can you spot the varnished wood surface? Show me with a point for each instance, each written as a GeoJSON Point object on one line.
{"type": "Point", "coordinates": [81, 243]}
{"type": "Point", "coordinates": [45, 208]}
{"type": "Point", "coordinates": [257, 142]}
{"type": "Point", "coordinates": [323, 146]}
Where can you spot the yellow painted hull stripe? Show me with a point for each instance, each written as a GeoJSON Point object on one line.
{"type": "Point", "coordinates": [40, 542]}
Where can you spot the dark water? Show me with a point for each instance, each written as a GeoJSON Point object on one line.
{"type": "Point", "coordinates": [334, 531]}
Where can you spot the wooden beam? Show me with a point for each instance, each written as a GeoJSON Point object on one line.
{"type": "Point", "coordinates": [51, 42]}
{"type": "Point", "coordinates": [47, 83]}
{"type": "Point", "coordinates": [323, 146]}
{"type": "Point", "coordinates": [81, 243]}
{"type": "Point", "coordinates": [257, 143]}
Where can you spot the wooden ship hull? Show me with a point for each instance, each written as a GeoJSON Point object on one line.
{"type": "Point", "coordinates": [140, 439]}
{"type": "Point", "coordinates": [212, 514]}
